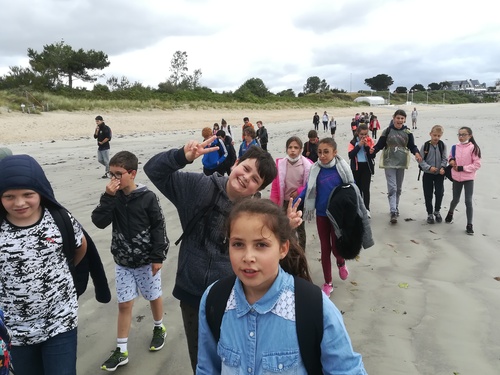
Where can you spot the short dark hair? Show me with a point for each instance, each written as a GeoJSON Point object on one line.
{"type": "Point", "coordinates": [126, 160]}
{"type": "Point", "coordinates": [264, 162]}
{"type": "Point", "coordinates": [312, 134]}
{"type": "Point", "coordinates": [221, 133]}
{"type": "Point", "coordinates": [99, 118]}
{"type": "Point", "coordinates": [399, 112]}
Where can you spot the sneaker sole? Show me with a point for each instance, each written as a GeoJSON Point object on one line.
{"type": "Point", "coordinates": [114, 368]}
{"type": "Point", "coordinates": [155, 349]}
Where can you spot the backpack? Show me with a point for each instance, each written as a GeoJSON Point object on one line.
{"type": "Point", "coordinates": [90, 265]}
{"type": "Point", "coordinates": [427, 145]}
{"type": "Point", "coordinates": [308, 314]}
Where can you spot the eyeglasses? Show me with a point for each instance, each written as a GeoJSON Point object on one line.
{"type": "Point", "coordinates": [117, 175]}
{"type": "Point", "coordinates": [463, 134]}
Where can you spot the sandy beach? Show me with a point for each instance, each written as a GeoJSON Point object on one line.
{"type": "Point", "coordinates": [424, 300]}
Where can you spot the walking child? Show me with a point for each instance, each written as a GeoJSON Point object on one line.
{"type": "Point", "coordinates": [333, 126]}
{"type": "Point", "coordinates": [396, 142]}
{"type": "Point", "coordinates": [293, 172]}
{"type": "Point", "coordinates": [465, 158]}
{"type": "Point", "coordinates": [139, 245]}
{"type": "Point", "coordinates": [203, 203]}
{"type": "Point", "coordinates": [362, 162]}
{"type": "Point", "coordinates": [311, 146]}
{"type": "Point", "coordinates": [327, 173]}
{"type": "Point", "coordinates": [433, 164]}
{"type": "Point", "coordinates": [37, 292]}
{"type": "Point", "coordinates": [259, 329]}
{"type": "Point", "coordinates": [374, 126]}
{"type": "Point", "coordinates": [248, 141]}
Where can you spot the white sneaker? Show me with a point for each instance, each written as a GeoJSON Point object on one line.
{"type": "Point", "coordinates": [369, 214]}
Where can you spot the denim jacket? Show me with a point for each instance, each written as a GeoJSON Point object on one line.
{"type": "Point", "coordinates": [262, 338]}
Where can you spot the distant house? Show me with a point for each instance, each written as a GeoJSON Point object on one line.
{"type": "Point", "coordinates": [468, 85]}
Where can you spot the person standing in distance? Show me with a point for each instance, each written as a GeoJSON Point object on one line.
{"type": "Point", "coordinates": [103, 135]}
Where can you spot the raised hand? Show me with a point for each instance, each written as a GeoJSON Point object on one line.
{"type": "Point", "coordinates": [194, 149]}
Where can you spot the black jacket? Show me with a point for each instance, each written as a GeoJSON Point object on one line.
{"type": "Point", "coordinates": [139, 235]}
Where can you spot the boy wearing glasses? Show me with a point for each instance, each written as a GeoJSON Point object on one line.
{"type": "Point", "coordinates": [139, 246]}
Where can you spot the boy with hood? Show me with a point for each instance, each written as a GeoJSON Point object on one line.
{"type": "Point", "coordinates": [37, 292]}
{"type": "Point", "coordinates": [139, 246]}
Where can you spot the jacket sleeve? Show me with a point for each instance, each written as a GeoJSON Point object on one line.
{"type": "Point", "coordinates": [208, 360]}
{"type": "Point", "coordinates": [337, 354]}
{"type": "Point", "coordinates": [381, 143]}
{"type": "Point", "coordinates": [411, 144]}
{"type": "Point", "coordinates": [162, 170]}
{"type": "Point", "coordinates": [444, 160]}
{"type": "Point", "coordinates": [352, 150]}
{"type": "Point", "coordinates": [275, 188]}
{"type": "Point", "coordinates": [102, 215]}
{"type": "Point", "coordinates": [474, 166]}
{"type": "Point", "coordinates": [423, 164]}
{"type": "Point", "coordinates": [158, 230]}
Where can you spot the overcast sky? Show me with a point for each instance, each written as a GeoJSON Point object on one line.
{"type": "Point", "coordinates": [281, 42]}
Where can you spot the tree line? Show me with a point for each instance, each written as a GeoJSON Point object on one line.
{"type": "Point", "coordinates": [58, 65]}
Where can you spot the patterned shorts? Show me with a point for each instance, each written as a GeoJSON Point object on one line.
{"type": "Point", "coordinates": [130, 281]}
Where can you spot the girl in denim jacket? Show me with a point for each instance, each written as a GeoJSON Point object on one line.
{"type": "Point", "coordinates": [258, 333]}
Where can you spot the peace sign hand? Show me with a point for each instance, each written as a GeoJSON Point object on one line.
{"type": "Point", "coordinates": [194, 149]}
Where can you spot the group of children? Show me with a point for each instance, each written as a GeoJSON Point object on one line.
{"type": "Point", "coordinates": [225, 232]}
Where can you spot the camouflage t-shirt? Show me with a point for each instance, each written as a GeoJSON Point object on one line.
{"type": "Point", "coordinates": [37, 293]}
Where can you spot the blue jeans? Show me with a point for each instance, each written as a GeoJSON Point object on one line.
{"type": "Point", "coordinates": [103, 158]}
{"type": "Point", "coordinates": [56, 356]}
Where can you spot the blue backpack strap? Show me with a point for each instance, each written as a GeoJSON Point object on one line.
{"type": "Point", "coordinates": [309, 323]}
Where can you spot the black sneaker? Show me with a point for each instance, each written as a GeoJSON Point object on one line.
{"type": "Point", "coordinates": [438, 217]}
{"type": "Point", "coordinates": [449, 218]}
{"type": "Point", "coordinates": [469, 230]}
{"type": "Point", "coordinates": [394, 218]}
{"type": "Point", "coordinates": [430, 219]}
{"type": "Point", "coordinates": [105, 176]}
{"type": "Point", "coordinates": [158, 340]}
{"type": "Point", "coordinates": [117, 359]}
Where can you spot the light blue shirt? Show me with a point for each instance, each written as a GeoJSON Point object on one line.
{"type": "Point", "coordinates": [361, 154]}
{"type": "Point", "coordinates": [262, 338]}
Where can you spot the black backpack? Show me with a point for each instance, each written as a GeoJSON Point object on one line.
{"type": "Point", "coordinates": [308, 313]}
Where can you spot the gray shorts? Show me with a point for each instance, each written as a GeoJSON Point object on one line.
{"type": "Point", "coordinates": [129, 281]}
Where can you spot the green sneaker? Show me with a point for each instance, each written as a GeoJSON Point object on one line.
{"type": "Point", "coordinates": [158, 340]}
{"type": "Point", "coordinates": [117, 359]}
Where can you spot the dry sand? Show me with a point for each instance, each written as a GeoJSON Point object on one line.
{"type": "Point", "coordinates": [444, 322]}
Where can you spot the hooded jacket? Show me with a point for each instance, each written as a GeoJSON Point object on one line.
{"type": "Point", "coordinates": [24, 172]}
{"type": "Point", "coordinates": [468, 162]}
{"type": "Point", "coordinates": [203, 256]}
{"type": "Point", "coordinates": [139, 235]}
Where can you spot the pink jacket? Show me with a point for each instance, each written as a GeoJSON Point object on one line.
{"type": "Point", "coordinates": [278, 185]}
{"type": "Point", "coordinates": [464, 157]}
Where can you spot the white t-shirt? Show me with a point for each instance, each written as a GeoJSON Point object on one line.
{"type": "Point", "coordinates": [37, 293]}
